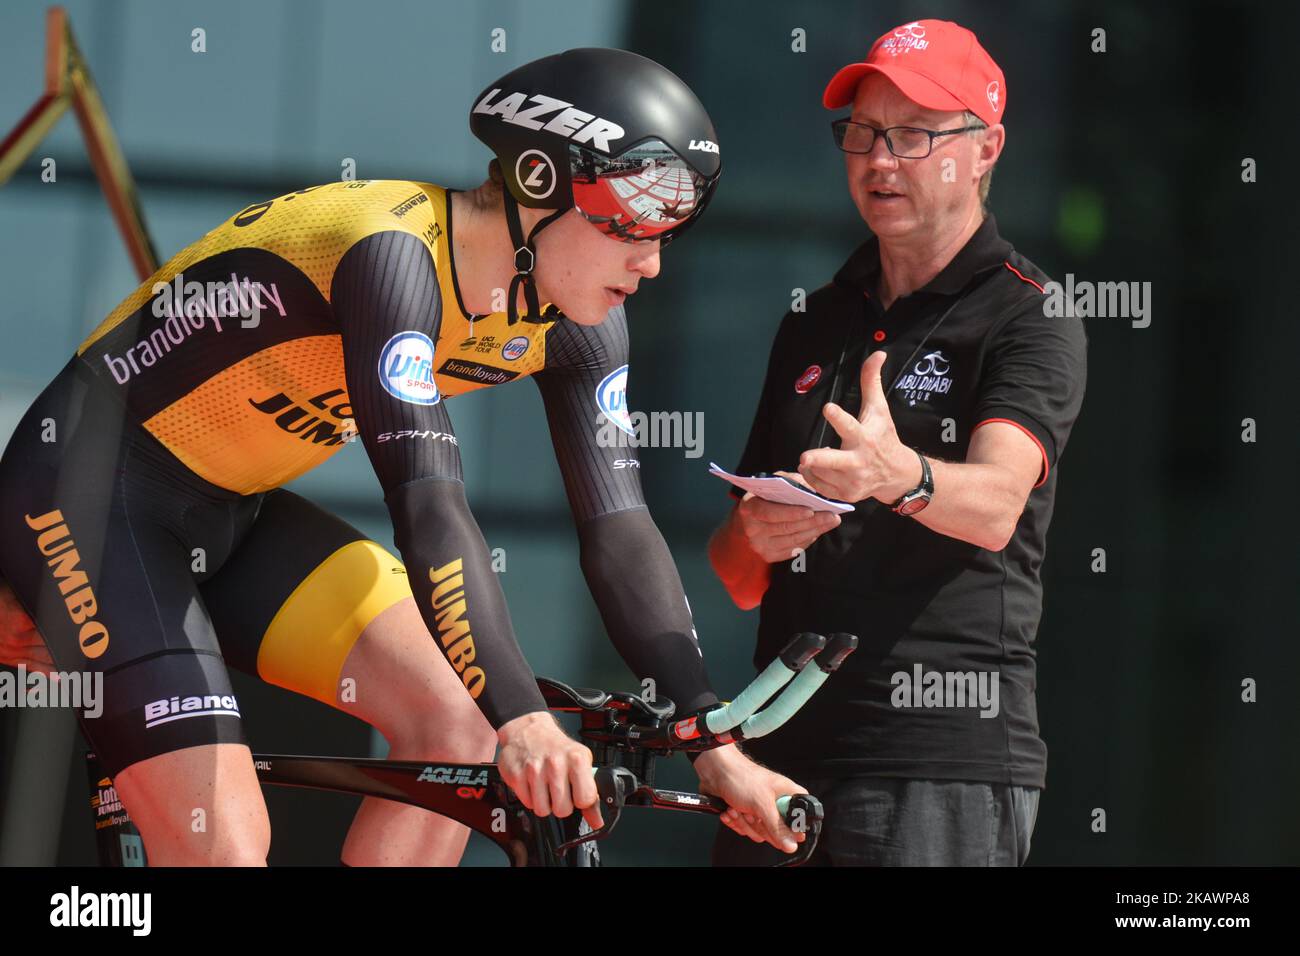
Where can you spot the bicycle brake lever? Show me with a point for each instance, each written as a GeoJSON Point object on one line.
{"type": "Point", "coordinates": [805, 811]}
{"type": "Point", "coordinates": [613, 784]}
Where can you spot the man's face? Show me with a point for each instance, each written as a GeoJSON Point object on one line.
{"type": "Point", "coordinates": [583, 271]}
{"type": "Point", "coordinates": [900, 198]}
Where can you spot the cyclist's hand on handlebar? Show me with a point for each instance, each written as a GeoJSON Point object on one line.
{"type": "Point", "coordinates": [774, 531]}
{"type": "Point", "coordinates": [548, 770]}
{"type": "Point", "coordinates": [20, 642]}
{"type": "Point", "coordinates": [751, 793]}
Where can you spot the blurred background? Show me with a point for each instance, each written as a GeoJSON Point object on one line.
{"type": "Point", "coordinates": [1120, 166]}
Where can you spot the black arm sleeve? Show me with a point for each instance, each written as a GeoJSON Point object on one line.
{"type": "Point", "coordinates": [386, 300]}
{"type": "Point", "coordinates": [624, 558]}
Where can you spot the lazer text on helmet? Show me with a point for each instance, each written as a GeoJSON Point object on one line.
{"type": "Point", "coordinates": [579, 125]}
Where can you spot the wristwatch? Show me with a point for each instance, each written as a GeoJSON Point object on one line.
{"type": "Point", "coordinates": [916, 499]}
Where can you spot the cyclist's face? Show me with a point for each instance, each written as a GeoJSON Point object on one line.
{"type": "Point", "coordinates": [901, 198]}
{"type": "Point", "coordinates": [585, 272]}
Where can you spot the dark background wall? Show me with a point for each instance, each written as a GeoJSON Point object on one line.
{"type": "Point", "coordinates": [1120, 166]}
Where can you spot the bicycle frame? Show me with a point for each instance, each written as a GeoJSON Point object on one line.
{"type": "Point", "coordinates": [627, 734]}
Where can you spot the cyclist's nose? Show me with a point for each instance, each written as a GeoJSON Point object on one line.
{"type": "Point", "coordinates": [648, 265]}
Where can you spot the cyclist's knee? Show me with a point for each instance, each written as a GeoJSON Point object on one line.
{"type": "Point", "coordinates": [464, 737]}
{"type": "Point", "coordinates": [244, 844]}
{"type": "Point", "coordinates": [221, 822]}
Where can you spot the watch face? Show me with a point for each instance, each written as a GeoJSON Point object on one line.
{"type": "Point", "coordinates": [913, 506]}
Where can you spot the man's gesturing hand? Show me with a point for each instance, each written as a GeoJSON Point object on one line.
{"type": "Point", "coordinates": [871, 462]}
{"type": "Point", "coordinates": [547, 769]}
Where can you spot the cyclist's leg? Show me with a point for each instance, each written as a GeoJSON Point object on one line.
{"type": "Point", "coordinates": [95, 539]}
{"type": "Point", "coordinates": [308, 603]}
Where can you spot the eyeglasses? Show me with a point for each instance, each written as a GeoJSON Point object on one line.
{"type": "Point", "coordinates": [905, 142]}
{"type": "Point", "coordinates": [647, 192]}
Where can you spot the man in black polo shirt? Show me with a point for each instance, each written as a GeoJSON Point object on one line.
{"type": "Point", "coordinates": [926, 385]}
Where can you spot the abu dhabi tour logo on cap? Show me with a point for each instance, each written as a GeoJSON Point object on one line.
{"type": "Point", "coordinates": [908, 37]}
{"type": "Point", "coordinates": [950, 71]}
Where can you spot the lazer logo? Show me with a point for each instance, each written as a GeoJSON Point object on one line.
{"type": "Point", "coordinates": [540, 179]}
{"type": "Point", "coordinates": [296, 420]}
{"type": "Point", "coordinates": [57, 544]}
{"type": "Point", "coordinates": [576, 124]}
{"type": "Point", "coordinates": [462, 776]}
{"type": "Point", "coordinates": [449, 605]}
{"type": "Point", "coordinates": [704, 145]}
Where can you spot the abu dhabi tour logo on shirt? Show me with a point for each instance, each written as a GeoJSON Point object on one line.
{"type": "Point", "coordinates": [928, 377]}
{"type": "Point", "coordinates": [908, 37]}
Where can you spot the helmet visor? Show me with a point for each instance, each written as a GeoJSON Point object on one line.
{"type": "Point", "coordinates": [645, 193]}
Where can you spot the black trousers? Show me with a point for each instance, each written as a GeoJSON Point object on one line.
{"type": "Point", "coordinates": [899, 821]}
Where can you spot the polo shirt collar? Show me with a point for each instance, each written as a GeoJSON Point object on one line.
{"type": "Point", "coordinates": [984, 250]}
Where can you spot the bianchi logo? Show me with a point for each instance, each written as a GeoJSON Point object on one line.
{"type": "Point", "coordinates": [179, 708]}
{"type": "Point", "coordinates": [928, 377]}
{"type": "Point", "coordinates": [994, 93]}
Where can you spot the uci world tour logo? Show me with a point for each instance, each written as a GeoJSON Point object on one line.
{"type": "Point", "coordinates": [406, 369]}
{"type": "Point", "coordinates": [611, 399]}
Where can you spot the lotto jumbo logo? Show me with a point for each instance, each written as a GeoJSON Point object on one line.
{"type": "Point", "coordinates": [994, 94]}
{"type": "Point", "coordinates": [406, 369]}
{"type": "Point", "coordinates": [611, 399]}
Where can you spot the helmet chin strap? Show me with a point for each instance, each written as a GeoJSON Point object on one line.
{"type": "Point", "coordinates": [525, 260]}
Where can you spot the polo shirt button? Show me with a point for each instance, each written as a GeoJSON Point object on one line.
{"type": "Point", "coordinates": [880, 335]}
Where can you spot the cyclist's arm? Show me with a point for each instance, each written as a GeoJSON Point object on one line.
{"type": "Point", "coordinates": [624, 558]}
{"type": "Point", "coordinates": [386, 285]}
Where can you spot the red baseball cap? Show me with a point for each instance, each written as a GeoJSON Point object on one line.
{"type": "Point", "coordinates": [936, 64]}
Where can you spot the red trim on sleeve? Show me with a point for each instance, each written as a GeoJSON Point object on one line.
{"type": "Point", "coordinates": [1032, 437]}
{"type": "Point", "coordinates": [1025, 278]}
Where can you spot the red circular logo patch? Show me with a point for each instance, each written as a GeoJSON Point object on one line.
{"type": "Point", "coordinates": [808, 379]}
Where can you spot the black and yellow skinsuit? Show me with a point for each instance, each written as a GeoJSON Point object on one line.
{"type": "Point", "coordinates": [145, 529]}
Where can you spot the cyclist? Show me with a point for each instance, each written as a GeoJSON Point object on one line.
{"type": "Point", "coordinates": [146, 532]}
